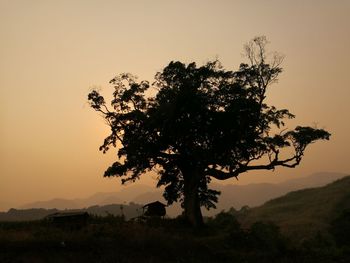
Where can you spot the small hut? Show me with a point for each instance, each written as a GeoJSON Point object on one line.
{"type": "Point", "coordinates": [155, 209]}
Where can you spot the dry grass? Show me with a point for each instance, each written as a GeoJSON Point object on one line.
{"type": "Point", "coordinates": [303, 213]}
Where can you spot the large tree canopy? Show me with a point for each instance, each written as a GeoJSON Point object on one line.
{"type": "Point", "coordinates": [202, 123]}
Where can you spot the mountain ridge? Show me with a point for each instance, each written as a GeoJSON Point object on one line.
{"type": "Point", "coordinates": [236, 196]}
{"type": "Point", "coordinates": [304, 212]}
{"type": "Point", "coordinates": [128, 211]}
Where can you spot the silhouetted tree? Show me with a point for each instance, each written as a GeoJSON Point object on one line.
{"type": "Point", "coordinates": [202, 123]}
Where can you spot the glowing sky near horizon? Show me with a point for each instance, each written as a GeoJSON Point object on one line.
{"type": "Point", "coordinates": [54, 52]}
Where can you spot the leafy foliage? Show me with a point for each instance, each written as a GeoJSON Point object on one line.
{"type": "Point", "coordinates": [203, 122]}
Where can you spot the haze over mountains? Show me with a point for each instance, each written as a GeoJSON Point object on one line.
{"type": "Point", "coordinates": [231, 195]}
{"type": "Point", "coordinates": [128, 211]}
{"type": "Point", "coordinates": [303, 213]}
{"type": "Point", "coordinates": [257, 194]}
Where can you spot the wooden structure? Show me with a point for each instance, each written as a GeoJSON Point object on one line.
{"type": "Point", "coordinates": [155, 209]}
{"type": "Point", "coordinates": [71, 220]}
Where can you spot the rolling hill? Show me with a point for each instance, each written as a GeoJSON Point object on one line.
{"type": "Point", "coordinates": [279, 210]}
{"type": "Point", "coordinates": [129, 211]}
{"type": "Point", "coordinates": [231, 195]}
{"type": "Point", "coordinates": [305, 212]}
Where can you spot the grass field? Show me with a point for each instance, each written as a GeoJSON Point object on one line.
{"type": "Point", "coordinates": [311, 225]}
{"type": "Point", "coordinates": [111, 239]}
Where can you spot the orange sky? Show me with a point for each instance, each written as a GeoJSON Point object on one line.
{"type": "Point", "coordinates": [54, 52]}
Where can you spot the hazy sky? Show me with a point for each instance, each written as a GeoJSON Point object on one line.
{"type": "Point", "coordinates": [52, 53]}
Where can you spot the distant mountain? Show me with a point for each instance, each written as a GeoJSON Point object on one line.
{"type": "Point", "coordinates": [251, 194]}
{"type": "Point", "coordinates": [149, 197]}
{"type": "Point", "coordinates": [99, 199]}
{"type": "Point", "coordinates": [25, 214]}
{"type": "Point", "coordinates": [57, 203]}
{"type": "Point", "coordinates": [304, 212]}
{"type": "Point", "coordinates": [256, 194]}
{"type": "Point", "coordinates": [125, 196]}
{"type": "Point", "coordinates": [129, 211]}
{"type": "Point", "coordinates": [129, 193]}
{"type": "Point", "coordinates": [313, 180]}
{"type": "Point", "coordinates": [231, 195]}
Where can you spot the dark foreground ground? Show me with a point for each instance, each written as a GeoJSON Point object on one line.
{"type": "Point", "coordinates": [111, 239]}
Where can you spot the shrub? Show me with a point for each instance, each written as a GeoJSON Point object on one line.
{"type": "Point", "coordinates": [340, 229]}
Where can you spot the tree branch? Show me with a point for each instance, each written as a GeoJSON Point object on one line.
{"type": "Point", "coordinates": [222, 175]}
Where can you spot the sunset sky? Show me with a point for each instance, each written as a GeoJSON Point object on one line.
{"type": "Point", "coordinates": [52, 53]}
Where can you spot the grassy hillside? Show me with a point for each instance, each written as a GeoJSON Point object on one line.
{"type": "Point", "coordinates": [304, 212]}
{"type": "Point", "coordinates": [111, 238]}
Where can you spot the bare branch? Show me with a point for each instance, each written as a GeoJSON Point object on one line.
{"type": "Point", "coordinates": [222, 175]}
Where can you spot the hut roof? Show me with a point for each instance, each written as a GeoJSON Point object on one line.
{"type": "Point", "coordinates": [67, 214]}
{"type": "Point", "coordinates": [156, 203]}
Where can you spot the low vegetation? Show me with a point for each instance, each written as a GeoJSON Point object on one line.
{"type": "Point", "coordinates": [113, 239]}
{"type": "Point", "coordinates": [311, 225]}
{"type": "Point", "coordinates": [303, 213]}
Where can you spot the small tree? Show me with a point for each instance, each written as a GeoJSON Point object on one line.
{"type": "Point", "coordinates": [202, 123]}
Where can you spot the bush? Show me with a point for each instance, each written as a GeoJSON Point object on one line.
{"type": "Point", "coordinates": [267, 236]}
{"type": "Point", "coordinates": [225, 221]}
{"type": "Point", "coordinates": [340, 229]}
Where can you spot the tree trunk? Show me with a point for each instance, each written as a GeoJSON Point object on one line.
{"type": "Point", "coordinates": [192, 210]}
